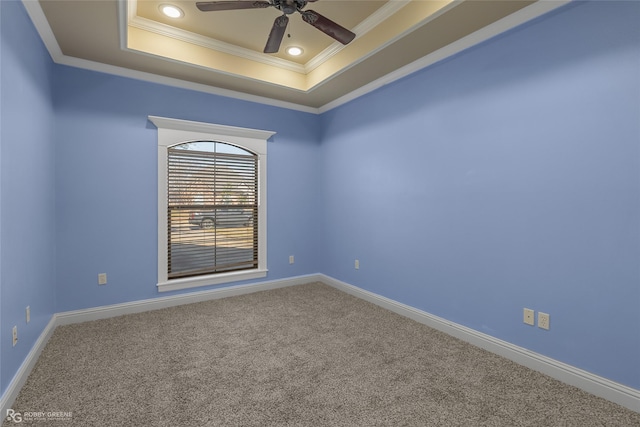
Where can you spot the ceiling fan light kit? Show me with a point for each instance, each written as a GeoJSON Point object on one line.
{"type": "Point", "coordinates": [287, 7]}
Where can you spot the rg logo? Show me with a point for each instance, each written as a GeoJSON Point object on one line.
{"type": "Point", "coordinates": [14, 416]}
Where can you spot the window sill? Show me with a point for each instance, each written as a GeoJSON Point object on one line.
{"type": "Point", "coordinates": [213, 279]}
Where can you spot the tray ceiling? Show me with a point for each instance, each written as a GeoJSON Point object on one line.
{"type": "Point", "coordinates": [221, 52]}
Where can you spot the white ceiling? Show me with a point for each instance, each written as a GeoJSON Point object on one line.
{"type": "Point", "coordinates": [221, 52]}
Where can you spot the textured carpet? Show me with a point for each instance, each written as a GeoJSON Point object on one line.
{"type": "Point", "coordinates": [300, 356]}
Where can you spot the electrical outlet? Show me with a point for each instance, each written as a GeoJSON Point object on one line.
{"type": "Point", "coordinates": [291, 259]}
{"type": "Point", "coordinates": [28, 310]}
{"type": "Point", "coordinates": [15, 335]}
{"type": "Point", "coordinates": [543, 321]}
{"type": "Point", "coordinates": [102, 279]}
{"type": "Point", "coordinates": [357, 264]}
{"type": "Point", "coordinates": [529, 317]}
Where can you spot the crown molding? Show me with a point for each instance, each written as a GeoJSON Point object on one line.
{"type": "Point", "coordinates": [129, 18]}
{"type": "Point", "coordinates": [409, 30]}
{"type": "Point", "coordinates": [37, 16]}
{"type": "Point", "coordinates": [360, 30]}
{"type": "Point", "coordinates": [46, 34]}
{"type": "Point", "coordinates": [526, 14]}
{"type": "Point", "coordinates": [213, 44]}
{"type": "Point", "coordinates": [43, 28]}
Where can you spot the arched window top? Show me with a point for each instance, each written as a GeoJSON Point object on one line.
{"type": "Point", "coordinates": [174, 131]}
{"type": "Point", "coordinates": [212, 147]}
{"type": "Point", "coordinates": [212, 215]}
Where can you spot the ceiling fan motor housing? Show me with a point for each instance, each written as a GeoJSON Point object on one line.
{"type": "Point", "coordinates": [278, 29]}
{"type": "Point", "coordinates": [289, 6]}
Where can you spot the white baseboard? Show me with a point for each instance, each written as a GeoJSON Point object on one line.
{"type": "Point", "coordinates": [591, 383]}
{"type": "Point", "coordinates": [104, 312]}
{"type": "Point", "coordinates": [10, 394]}
{"type": "Point", "coordinates": [114, 310]}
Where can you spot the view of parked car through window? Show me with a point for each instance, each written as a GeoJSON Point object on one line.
{"type": "Point", "coordinates": [225, 217]}
{"type": "Point", "coordinates": [212, 209]}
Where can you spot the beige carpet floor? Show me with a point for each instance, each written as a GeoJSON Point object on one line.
{"type": "Point", "coordinates": [307, 355]}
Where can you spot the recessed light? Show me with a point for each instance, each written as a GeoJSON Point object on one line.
{"type": "Point", "coordinates": [171, 11]}
{"type": "Point", "coordinates": [294, 51]}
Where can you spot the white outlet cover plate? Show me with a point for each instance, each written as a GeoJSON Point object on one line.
{"type": "Point", "coordinates": [528, 316]}
{"type": "Point", "coordinates": [543, 320]}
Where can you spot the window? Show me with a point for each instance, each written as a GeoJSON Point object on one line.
{"type": "Point", "coordinates": [211, 203]}
{"type": "Point", "coordinates": [212, 209]}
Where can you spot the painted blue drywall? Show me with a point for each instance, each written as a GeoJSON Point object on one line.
{"type": "Point", "coordinates": [27, 203]}
{"type": "Point", "coordinates": [505, 177]}
{"type": "Point", "coordinates": [2, 386]}
{"type": "Point", "coordinates": [106, 182]}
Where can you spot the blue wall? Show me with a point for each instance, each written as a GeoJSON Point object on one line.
{"type": "Point", "coordinates": [106, 182]}
{"type": "Point", "coordinates": [27, 213]}
{"type": "Point", "coordinates": [96, 211]}
{"type": "Point", "coordinates": [503, 178]}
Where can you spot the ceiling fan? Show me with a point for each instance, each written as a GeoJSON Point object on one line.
{"type": "Point", "coordinates": [279, 27]}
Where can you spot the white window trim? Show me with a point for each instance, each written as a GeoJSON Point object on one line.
{"type": "Point", "coordinates": [174, 131]}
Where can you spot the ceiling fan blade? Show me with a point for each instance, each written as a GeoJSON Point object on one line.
{"type": "Point", "coordinates": [212, 6]}
{"type": "Point", "coordinates": [327, 26]}
{"type": "Point", "coordinates": [276, 34]}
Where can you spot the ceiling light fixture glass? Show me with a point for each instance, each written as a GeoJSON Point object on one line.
{"type": "Point", "coordinates": [171, 11]}
{"type": "Point", "coordinates": [294, 51]}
